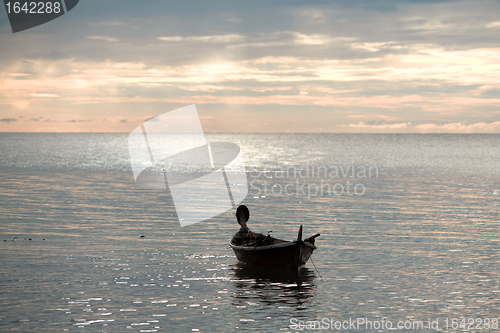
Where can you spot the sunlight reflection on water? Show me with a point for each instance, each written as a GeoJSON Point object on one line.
{"type": "Point", "coordinates": [415, 245]}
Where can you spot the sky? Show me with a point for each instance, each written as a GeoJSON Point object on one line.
{"type": "Point", "coordinates": [372, 66]}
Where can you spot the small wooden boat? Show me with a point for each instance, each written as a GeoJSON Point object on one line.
{"type": "Point", "coordinates": [269, 251]}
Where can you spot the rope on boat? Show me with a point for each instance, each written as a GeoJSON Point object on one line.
{"type": "Point", "coordinates": [315, 267]}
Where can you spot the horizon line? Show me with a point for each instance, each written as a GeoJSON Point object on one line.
{"type": "Point", "coordinates": [260, 133]}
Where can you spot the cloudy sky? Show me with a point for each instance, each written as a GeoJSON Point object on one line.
{"type": "Point", "coordinates": [257, 66]}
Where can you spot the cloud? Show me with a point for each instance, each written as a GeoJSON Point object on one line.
{"type": "Point", "coordinates": [208, 88]}
{"type": "Point", "coordinates": [80, 120]}
{"type": "Point", "coordinates": [372, 47]}
{"type": "Point", "coordinates": [8, 120]}
{"type": "Point", "coordinates": [205, 39]}
{"type": "Point", "coordinates": [411, 62]}
{"type": "Point", "coordinates": [459, 127]}
{"type": "Point", "coordinates": [110, 24]}
{"type": "Point", "coordinates": [455, 127]}
{"type": "Point", "coordinates": [312, 39]}
{"type": "Point", "coordinates": [44, 95]}
{"type": "Point", "coordinates": [104, 38]}
{"type": "Point", "coordinates": [292, 81]}
{"type": "Point", "coordinates": [380, 126]}
{"type": "Point", "coordinates": [172, 39]}
{"type": "Point", "coordinates": [379, 116]}
{"type": "Point", "coordinates": [293, 39]}
{"type": "Point", "coordinates": [493, 25]}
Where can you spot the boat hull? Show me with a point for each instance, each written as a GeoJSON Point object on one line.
{"type": "Point", "coordinates": [289, 255]}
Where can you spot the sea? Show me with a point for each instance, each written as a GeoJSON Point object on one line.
{"type": "Point", "coordinates": [409, 241]}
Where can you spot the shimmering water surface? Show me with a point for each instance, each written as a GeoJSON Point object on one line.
{"type": "Point", "coordinates": [420, 242]}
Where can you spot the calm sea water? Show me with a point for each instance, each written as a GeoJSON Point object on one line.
{"type": "Point", "coordinates": [412, 236]}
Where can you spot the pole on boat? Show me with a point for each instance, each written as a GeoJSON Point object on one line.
{"type": "Point", "coordinates": [299, 236]}
{"type": "Point", "coordinates": [299, 252]}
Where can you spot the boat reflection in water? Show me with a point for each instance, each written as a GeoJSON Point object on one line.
{"type": "Point", "coordinates": [261, 286]}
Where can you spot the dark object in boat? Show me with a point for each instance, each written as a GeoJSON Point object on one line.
{"type": "Point", "coordinates": [261, 250]}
